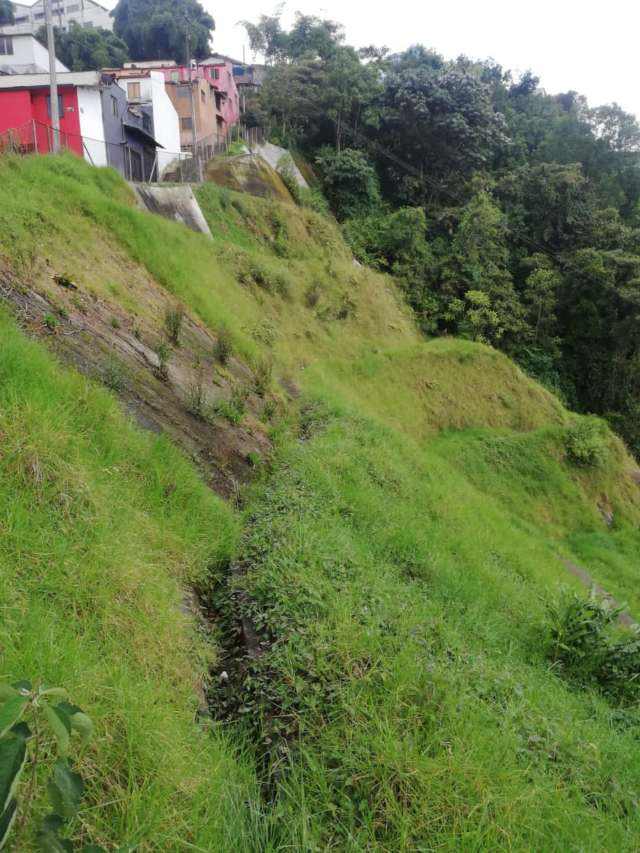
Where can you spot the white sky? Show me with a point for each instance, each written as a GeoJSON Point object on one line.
{"type": "Point", "coordinates": [570, 44]}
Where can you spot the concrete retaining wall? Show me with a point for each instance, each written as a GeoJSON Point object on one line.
{"type": "Point", "coordinates": [177, 203]}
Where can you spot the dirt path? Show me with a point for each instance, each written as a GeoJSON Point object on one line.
{"type": "Point", "coordinates": [624, 618]}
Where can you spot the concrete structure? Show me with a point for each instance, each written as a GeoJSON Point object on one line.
{"type": "Point", "coordinates": [23, 54]}
{"type": "Point", "coordinates": [146, 90]}
{"type": "Point", "coordinates": [96, 121]}
{"type": "Point", "coordinates": [86, 13]}
{"type": "Point", "coordinates": [280, 159]}
{"type": "Point", "coordinates": [177, 203]}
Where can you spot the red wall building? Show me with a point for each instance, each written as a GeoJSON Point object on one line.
{"type": "Point", "coordinates": [26, 112]}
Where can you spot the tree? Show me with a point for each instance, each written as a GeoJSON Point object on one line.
{"type": "Point", "coordinates": [159, 29]}
{"type": "Point", "coordinates": [349, 180]}
{"type": "Point", "coordinates": [6, 12]}
{"type": "Point", "coordinates": [87, 48]}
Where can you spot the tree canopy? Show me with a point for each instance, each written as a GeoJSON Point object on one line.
{"type": "Point", "coordinates": [87, 48]}
{"type": "Point", "coordinates": [160, 29]}
{"type": "Point", "coordinates": [510, 215]}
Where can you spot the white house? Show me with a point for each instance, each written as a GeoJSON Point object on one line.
{"type": "Point", "coordinates": [23, 54]}
{"type": "Point", "coordinates": [145, 87]}
{"type": "Point", "coordinates": [86, 13]}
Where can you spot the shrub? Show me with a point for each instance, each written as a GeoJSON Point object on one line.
{"type": "Point", "coordinates": [223, 347]}
{"type": "Point", "coordinates": [587, 442]}
{"type": "Point", "coordinates": [583, 647]}
{"type": "Point", "coordinates": [50, 322]}
{"type": "Point", "coordinates": [350, 181]}
{"type": "Point", "coordinates": [173, 318]}
{"type": "Point", "coordinates": [234, 408]}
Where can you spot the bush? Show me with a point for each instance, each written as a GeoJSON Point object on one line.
{"type": "Point", "coordinates": [173, 318]}
{"type": "Point", "coordinates": [584, 649]}
{"type": "Point", "coordinates": [163, 353]}
{"type": "Point", "coordinates": [587, 442]}
{"type": "Point", "coordinates": [262, 377]}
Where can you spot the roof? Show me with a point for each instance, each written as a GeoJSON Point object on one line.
{"type": "Point", "coordinates": [152, 63]}
{"type": "Point", "coordinates": [65, 78]}
{"type": "Point", "coordinates": [36, 2]}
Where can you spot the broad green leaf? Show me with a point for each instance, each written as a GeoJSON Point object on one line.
{"type": "Point", "coordinates": [54, 692]}
{"type": "Point", "coordinates": [23, 686]}
{"type": "Point", "coordinates": [79, 721]}
{"type": "Point", "coordinates": [21, 730]}
{"type": "Point", "coordinates": [60, 726]}
{"type": "Point", "coordinates": [11, 712]}
{"type": "Point", "coordinates": [49, 840]}
{"type": "Point", "coordinates": [65, 789]}
{"type": "Point", "coordinates": [6, 822]}
{"type": "Point", "coordinates": [7, 692]}
{"type": "Point", "coordinates": [13, 755]}
{"type": "Point", "coordinates": [92, 848]}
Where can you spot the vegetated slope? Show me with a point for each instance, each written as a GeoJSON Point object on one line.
{"type": "Point", "coordinates": [397, 551]}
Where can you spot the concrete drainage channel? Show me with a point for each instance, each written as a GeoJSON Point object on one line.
{"type": "Point", "coordinates": [176, 203]}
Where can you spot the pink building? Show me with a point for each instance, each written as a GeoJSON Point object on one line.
{"type": "Point", "coordinates": [218, 70]}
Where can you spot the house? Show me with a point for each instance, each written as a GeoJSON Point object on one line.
{"type": "Point", "coordinates": [218, 71]}
{"type": "Point", "coordinates": [147, 96]}
{"type": "Point", "coordinates": [86, 13]}
{"type": "Point", "coordinates": [23, 54]}
{"type": "Point", "coordinates": [96, 121]}
{"type": "Point", "coordinates": [209, 124]}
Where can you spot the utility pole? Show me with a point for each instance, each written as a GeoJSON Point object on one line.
{"type": "Point", "coordinates": [194, 135]}
{"type": "Point", "coordinates": [53, 78]}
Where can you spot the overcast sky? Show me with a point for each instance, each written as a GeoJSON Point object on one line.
{"type": "Point", "coordinates": [570, 44]}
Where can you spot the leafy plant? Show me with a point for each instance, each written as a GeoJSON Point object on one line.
{"type": "Point", "coordinates": [173, 318]}
{"type": "Point", "coordinates": [262, 377]}
{"type": "Point", "coordinates": [587, 443]}
{"type": "Point", "coordinates": [584, 648]}
{"type": "Point", "coordinates": [30, 719]}
{"type": "Point", "coordinates": [234, 408]}
{"type": "Point", "coordinates": [114, 375]}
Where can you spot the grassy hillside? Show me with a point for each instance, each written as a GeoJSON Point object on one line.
{"type": "Point", "coordinates": [394, 558]}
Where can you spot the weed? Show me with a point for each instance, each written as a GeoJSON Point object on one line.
{"type": "Point", "coordinates": [114, 375]}
{"type": "Point", "coordinates": [50, 322]}
{"type": "Point", "coordinates": [262, 377]}
{"type": "Point", "coordinates": [163, 353]}
{"type": "Point", "coordinates": [233, 409]}
{"type": "Point", "coordinates": [223, 347]}
{"type": "Point", "coordinates": [115, 323]}
{"type": "Point", "coordinates": [312, 295]}
{"type": "Point", "coordinates": [173, 318]}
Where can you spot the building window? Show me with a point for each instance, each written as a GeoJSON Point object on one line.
{"type": "Point", "coordinates": [186, 123]}
{"type": "Point", "coordinates": [88, 24]}
{"type": "Point", "coordinates": [39, 16]}
{"type": "Point", "coordinates": [114, 106]}
{"type": "Point", "coordinates": [203, 96]}
{"type": "Point", "coordinates": [21, 20]}
{"type": "Point", "coordinates": [215, 74]}
{"type": "Point", "coordinates": [146, 122]}
{"type": "Point", "coordinates": [6, 46]}
{"type": "Point", "coordinates": [133, 91]}
{"type": "Point", "coordinates": [60, 107]}
{"type": "Point", "coordinates": [175, 76]}
{"type": "Point", "coordinates": [74, 8]}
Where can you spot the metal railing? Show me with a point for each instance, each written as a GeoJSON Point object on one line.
{"type": "Point", "coordinates": [136, 164]}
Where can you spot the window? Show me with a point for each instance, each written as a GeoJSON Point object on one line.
{"type": "Point", "coordinates": [39, 16]}
{"type": "Point", "coordinates": [133, 91]}
{"type": "Point", "coordinates": [88, 24]}
{"type": "Point", "coordinates": [6, 46]}
{"type": "Point", "coordinates": [215, 74]}
{"type": "Point", "coordinates": [186, 123]}
{"type": "Point", "coordinates": [21, 20]}
{"type": "Point", "coordinates": [60, 107]}
{"type": "Point", "coordinates": [175, 76]}
{"type": "Point", "coordinates": [203, 97]}
{"type": "Point", "coordinates": [114, 106]}
{"type": "Point", "coordinates": [74, 8]}
{"type": "Point", "coordinates": [146, 122]}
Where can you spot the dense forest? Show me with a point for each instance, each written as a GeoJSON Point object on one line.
{"type": "Point", "coordinates": [509, 215]}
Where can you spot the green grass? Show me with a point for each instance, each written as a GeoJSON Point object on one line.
{"type": "Point", "coordinates": [103, 528]}
{"type": "Point", "coordinates": [400, 550]}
